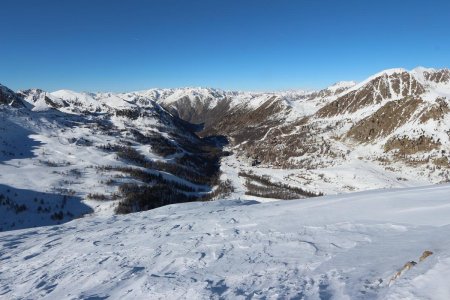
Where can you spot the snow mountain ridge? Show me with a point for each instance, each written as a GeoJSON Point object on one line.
{"type": "Point", "coordinates": [388, 131]}
{"type": "Point", "coordinates": [85, 159]}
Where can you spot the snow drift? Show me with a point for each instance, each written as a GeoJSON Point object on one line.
{"type": "Point", "coordinates": [335, 247]}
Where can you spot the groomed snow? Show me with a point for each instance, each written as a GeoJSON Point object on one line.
{"type": "Point", "coordinates": [335, 247]}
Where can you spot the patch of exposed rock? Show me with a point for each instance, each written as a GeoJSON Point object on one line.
{"type": "Point", "coordinates": [8, 97]}
{"type": "Point", "coordinates": [436, 111]}
{"type": "Point", "coordinates": [385, 120]}
{"type": "Point", "coordinates": [408, 146]}
{"type": "Point", "coordinates": [382, 87]}
{"type": "Point", "coordinates": [441, 76]}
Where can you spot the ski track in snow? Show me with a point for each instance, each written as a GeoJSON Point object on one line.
{"type": "Point", "coordinates": [335, 247]}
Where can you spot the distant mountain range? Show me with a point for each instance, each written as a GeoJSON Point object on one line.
{"type": "Point", "coordinates": [125, 152]}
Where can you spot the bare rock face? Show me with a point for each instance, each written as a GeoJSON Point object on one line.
{"type": "Point", "coordinates": [441, 76]}
{"type": "Point", "coordinates": [408, 146]}
{"type": "Point", "coordinates": [8, 97]}
{"type": "Point", "coordinates": [298, 145]}
{"type": "Point", "coordinates": [436, 111]}
{"type": "Point", "coordinates": [385, 120]}
{"type": "Point", "coordinates": [383, 87]}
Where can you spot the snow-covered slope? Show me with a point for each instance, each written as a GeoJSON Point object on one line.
{"type": "Point", "coordinates": [60, 160]}
{"type": "Point", "coordinates": [388, 131]}
{"type": "Point", "coordinates": [354, 246]}
{"type": "Point", "coordinates": [67, 154]}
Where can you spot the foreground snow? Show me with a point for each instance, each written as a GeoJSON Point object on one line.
{"type": "Point", "coordinates": [340, 247]}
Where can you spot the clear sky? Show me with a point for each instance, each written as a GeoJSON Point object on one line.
{"type": "Point", "coordinates": [124, 45]}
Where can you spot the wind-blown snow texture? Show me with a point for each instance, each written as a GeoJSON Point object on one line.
{"type": "Point", "coordinates": [334, 247]}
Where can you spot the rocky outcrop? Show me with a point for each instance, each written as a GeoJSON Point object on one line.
{"type": "Point", "coordinates": [384, 87]}
{"type": "Point", "coordinates": [385, 120]}
{"type": "Point", "coordinates": [436, 111]}
{"type": "Point", "coordinates": [408, 146]}
{"type": "Point", "coordinates": [8, 97]}
{"type": "Point", "coordinates": [440, 76]}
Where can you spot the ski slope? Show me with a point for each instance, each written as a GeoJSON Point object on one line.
{"type": "Point", "coordinates": [335, 247]}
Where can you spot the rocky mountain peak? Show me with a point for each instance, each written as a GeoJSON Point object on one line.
{"type": "Point", "coordinates": [391, 84]}
{"type": "Point", "coordinates": [8, 97]}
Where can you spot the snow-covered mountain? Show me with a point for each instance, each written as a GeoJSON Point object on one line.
{"type": "Point", "coordinates": [370, 245]}
{"type": "Point", "coordinates": [389, 131]}
{"type": "Point", "coordinates": [8, 97]}
{"type": "Point", "coordinates": [82, 158]}
{"type": "Point", "coordinates": [64, 157]}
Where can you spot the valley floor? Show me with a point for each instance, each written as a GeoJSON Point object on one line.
{"type": "Point", "coordinates": [334, 247]}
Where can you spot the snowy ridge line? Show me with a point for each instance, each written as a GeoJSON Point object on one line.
{"type": "Point", "coordinates": [277, 135]}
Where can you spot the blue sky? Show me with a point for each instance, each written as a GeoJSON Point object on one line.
{"type": "Point", "coordinates": [100, 45]}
